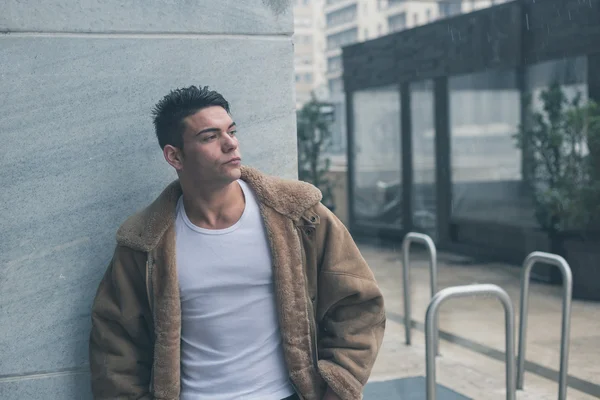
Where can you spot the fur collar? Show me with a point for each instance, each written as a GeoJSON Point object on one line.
{"type": "Point", "coordinates": [143, 230]}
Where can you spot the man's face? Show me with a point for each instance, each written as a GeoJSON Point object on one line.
{"type": "Point", "coordinates": [210, 148]}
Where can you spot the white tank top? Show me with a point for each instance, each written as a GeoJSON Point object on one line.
{"type": "Point", "coordinates": [230, 340]}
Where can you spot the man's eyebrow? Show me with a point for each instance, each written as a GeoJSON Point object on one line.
{"type": "Point", "coordinates": [214, 129]}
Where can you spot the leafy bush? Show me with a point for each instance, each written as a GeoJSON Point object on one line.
{"type": "Point", "coordinates": [314, 136]}
{"type": "Point", "coordinates": [561, 146]}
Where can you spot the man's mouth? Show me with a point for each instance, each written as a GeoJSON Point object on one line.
{"type": "Point", "coordinates": [234, 160]}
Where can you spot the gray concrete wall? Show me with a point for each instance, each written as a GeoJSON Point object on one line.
{"type": "Point", "coordinates": [78, 80]}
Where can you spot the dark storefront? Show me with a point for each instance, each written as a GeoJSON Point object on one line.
{"type": "Point", "coordinates": [431, 115]}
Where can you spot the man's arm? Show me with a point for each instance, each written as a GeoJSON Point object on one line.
{"type": "Point", "coordinates": [350, 310]}
{"type": "Point", "coordinates": [120, 341]}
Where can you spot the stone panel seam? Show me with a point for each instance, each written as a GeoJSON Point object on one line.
{"type": "Point", "coordinates": [42, 375]}
{"type": "Point", "coordinates": [147, 35]}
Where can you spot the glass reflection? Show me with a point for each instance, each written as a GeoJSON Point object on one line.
{"type": "Point", "coordinates": [377, 149]}
{"type": "Point", "coordinates": [485, 113]}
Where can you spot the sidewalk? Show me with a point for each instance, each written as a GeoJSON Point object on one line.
{"type": "Point", "coordinates": [472, 364]}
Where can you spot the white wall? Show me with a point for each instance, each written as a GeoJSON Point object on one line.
{"type": "Point", "coordinates": [78, 82]}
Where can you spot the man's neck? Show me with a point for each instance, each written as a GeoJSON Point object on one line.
{"type": "Point", "coordinates": [213, 207]}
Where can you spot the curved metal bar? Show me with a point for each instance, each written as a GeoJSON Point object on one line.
{"type": "Point", "coordinates": [413, 237]}
{"type": "Point", "coordinates": [561, 263]}
{"type": "Point", "coordinates": [431, 326]}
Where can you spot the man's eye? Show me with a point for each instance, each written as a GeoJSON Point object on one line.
{"type": "Point", "coordinates": [211, 137]}
{"type": "Point", "coordinates": [233, 133]}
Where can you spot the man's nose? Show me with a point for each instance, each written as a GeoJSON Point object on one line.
{"type": "Point", "coordinates": [230, 142]}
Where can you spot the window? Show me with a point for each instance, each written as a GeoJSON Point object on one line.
{"type": "Point", "coordinates": [415, 19]}
{"type": "Point", "coordinates": [303, 22]}
{"type": "Point", "coordinates": [306, 39]}
{"type": "Point", "coordinates": [297, 77]}
{"type": "Point", "coordinates": [303, 60]}
{"type": "Point", "coordinates": [379, 30]}
{"type": "Point", "coordinates": [342, 16]}
{"type": "Point", "coordinates": [302, 39]}
{"type": "Point", "coordinates": [366, 34]}
{"type": "Point", "coordinates": [448, 9]}
{"type": "Point", "coordinates": [342, 39]}
{"type": "Point", "coordinates": [338, 129]}
{"type": "Point", "coordinates": [308, 77]}
{"type": "Point", "coordinates": [571, 73]}
{"type": "Point", "coordinates": [336, 86]}
{"type": "Point", "coordinates": [428, 14]}
{"type": "Point", "coordinates": [334, 63]}
{"type": "Point", "coordinates": [485, 113]}
{"type": "Point", "coordinates": [397, 22]}
{"type": "Point", "coordinates": [378, 157]}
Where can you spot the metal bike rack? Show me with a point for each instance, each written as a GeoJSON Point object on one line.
{"type": "Point", "coordinates": [431, 327]}
{"type": "Point", "coordinates": [561, 263]}
{"type": "Point", "coordinates": [413, 237]}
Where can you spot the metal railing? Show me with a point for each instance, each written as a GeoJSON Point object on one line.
{"type": "Point", "coordinates": [561, 263]}
{"type": "Point", "coordinates": [413, 237]}
{"type": "Point", "coordinates": [431, 332]}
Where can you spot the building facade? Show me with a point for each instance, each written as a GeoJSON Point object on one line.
{"type": "Point", "coordinates": [432, 134]}
{"type": "Point", "coordinates": [309, 50]}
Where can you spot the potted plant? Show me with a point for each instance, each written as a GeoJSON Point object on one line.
{"type": "Point", "coordinates": [314, 136]}
{"type": "Point", "coordinates": [561, 145]}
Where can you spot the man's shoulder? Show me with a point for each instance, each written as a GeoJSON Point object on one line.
{"type": "Point", "coordinates": [143, 230]}
{"type": "Point", "coordinates": [290, 197]}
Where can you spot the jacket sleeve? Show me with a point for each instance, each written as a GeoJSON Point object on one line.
{"type": "Point", "coordinates": [120, 341]}
{"type": "Point", "coordinates": [350, 310]}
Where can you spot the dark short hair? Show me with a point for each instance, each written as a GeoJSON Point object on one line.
{"type": "Point", "coordinates": [179, 104]}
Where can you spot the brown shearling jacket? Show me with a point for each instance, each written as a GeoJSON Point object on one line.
{"type": "Point", "coordinates": [331, 311]}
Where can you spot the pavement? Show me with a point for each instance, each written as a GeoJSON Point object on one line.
{"type": "Point", "coordinates": [472, 334]}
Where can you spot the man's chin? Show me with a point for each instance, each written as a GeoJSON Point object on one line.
{"type": "Point", "coordinates": [233, 172]}
{"type": "Point", "coordinates": [237, 172]}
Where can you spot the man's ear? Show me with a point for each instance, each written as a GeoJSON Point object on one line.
{"type": "Point", "coordinates": [174, 156]}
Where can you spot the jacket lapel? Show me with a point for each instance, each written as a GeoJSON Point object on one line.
{"type": "Point", "coordinates": [293, 304]}
{"type": "Point", "coordinates": [167, 319]}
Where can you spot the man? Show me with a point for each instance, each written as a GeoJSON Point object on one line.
{"type": "Point", "coordinates": [232, 284]}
